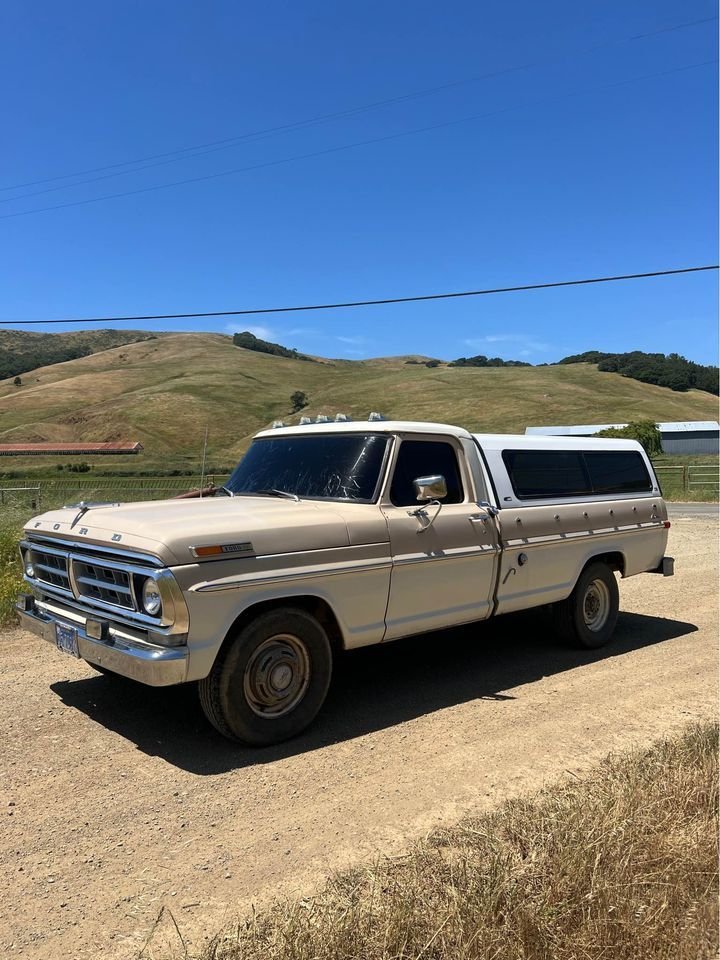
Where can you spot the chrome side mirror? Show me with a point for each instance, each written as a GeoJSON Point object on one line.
{"type": "Point", "coordinates": [430, 488]}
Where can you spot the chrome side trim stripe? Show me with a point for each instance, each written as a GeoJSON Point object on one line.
{"type": "Point", "coordinates": [582, 534]}
{"type": "Point", "coordinates": [288, 575]}
{"type": "Point", "coordinates": [459, 553]}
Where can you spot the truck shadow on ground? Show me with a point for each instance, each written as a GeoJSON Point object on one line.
{"type": "Point", "coordinates": [373, 688]}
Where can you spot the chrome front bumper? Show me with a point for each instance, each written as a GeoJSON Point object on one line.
{"type": "Point", "coordinates": [149, 663]}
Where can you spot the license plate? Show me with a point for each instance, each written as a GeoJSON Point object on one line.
{"type": "Point", "coordinates": [67, 640]}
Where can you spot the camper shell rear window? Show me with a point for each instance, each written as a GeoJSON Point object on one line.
{"type": "Point", "coordinates": [552, 474]}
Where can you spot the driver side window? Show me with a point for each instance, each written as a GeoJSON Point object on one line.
{"type": "Point", "coordinates": [422, 458]}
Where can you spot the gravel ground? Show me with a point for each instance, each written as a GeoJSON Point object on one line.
{"type": "Point", "coordinates": [119, 800]}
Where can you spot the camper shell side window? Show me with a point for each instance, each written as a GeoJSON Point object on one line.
{"type": "Point", "coordinates": [559, 474]}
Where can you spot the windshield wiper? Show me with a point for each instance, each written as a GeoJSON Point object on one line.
{"type": "Point", "coordinates": [226, 490]}
{"type": "Point", "coordinates": [276, 493]}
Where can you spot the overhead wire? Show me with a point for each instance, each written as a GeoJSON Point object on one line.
{"type": "Point", "coordinates": [351, 146]}
{"type": "Point", "coordinates": [213, 146]}
{"type": "Point", "coordinates": [385, 301]}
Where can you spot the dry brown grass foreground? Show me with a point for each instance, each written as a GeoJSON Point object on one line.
{"type": "Point", "coordinates": [621, 864]}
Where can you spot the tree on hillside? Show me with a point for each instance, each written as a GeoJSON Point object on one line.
{"type": "Point", "coordinates": [482, 361]}
{"type": "Point", "coordinates": [298, 401]}
{"type": "Point", "coordinates": [672, 371]}
{"type": "Point", "coordinates": [17, 381]}
{"type": "Point", "coordinates": [644, 431]}
{"type": "Point", "coordinates": [248, 341]}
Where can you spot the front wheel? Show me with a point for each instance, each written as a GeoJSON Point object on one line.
{"type": "Point", "coordinates": [588, 616]}
{"type": "Point", "coordinates": [269, 681]}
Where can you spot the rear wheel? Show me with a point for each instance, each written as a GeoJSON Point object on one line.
{"type": "Point", "coordinates": [588, 617]}
{"type": "Point", "coordinates": [270, 680]}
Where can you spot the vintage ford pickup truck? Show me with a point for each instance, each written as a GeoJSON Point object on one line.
{"type": "Point", "coordinates": [337, 535]}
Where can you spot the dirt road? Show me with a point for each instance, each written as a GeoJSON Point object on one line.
{"type": "Point", "coordinates": [116, 799]}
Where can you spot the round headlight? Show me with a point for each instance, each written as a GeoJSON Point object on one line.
{"type": "Point", "coordinates": [29, 568]}
{"type": "Point", "coordinates": [151, 599]}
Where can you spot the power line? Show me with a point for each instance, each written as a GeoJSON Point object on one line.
{"type": "Point", "coordinates": [374, 303]}
{"type": "Point", "coordinates": [203, 149]}
{"type": "Point", "coordinates": [351, 146]}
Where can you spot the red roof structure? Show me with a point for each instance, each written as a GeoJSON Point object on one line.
{"type": "Point", "coordinates": [67, 449]}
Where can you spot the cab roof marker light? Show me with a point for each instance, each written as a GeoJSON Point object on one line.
{"type": "Point", "coordinates": [342, 418]}
{"type": "Point", "coordinates": [304, 421]}
{"type": "Point", "coordinates": [375, 416]}
{"type": "Point", "coordinates": [321, 418]}
{"type": "Point", "coordinates": [277, 423]}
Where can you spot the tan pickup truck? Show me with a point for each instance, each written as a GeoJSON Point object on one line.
{"type": "Point", "coordinates": [338, 535]}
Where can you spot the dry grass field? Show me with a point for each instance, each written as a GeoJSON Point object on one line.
{"type": "Point", "coordinates": [619, 864]}
{"type": "Point", "coordinates": [166, 392]}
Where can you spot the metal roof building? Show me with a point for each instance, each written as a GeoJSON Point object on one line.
{"type": "Point", "coordinates": [689, 437]}
{"type": "Point", "coordinates": [67, 449]}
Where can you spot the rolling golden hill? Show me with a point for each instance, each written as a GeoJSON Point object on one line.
{"type": "Point", "coordinates": [165, 392]}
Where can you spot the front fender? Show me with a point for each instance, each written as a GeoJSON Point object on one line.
{"type": "Point", "coordinates": [355, 589]}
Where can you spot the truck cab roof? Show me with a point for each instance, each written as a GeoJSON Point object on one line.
{"type": "Point", "coordinates": [368, 426]}
{"type": "Point", "coordinates": [489, 441]}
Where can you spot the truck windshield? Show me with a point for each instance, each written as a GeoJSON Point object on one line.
{"type": "Point", "coordinates": [325, 467]}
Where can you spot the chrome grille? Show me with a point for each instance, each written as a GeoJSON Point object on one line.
{"type": "Point", "coordinates": [107, 584]}
{"type": "Point", "coordinates": [51, 568]}
{"type": "Point", "coordinates": [96, 576]}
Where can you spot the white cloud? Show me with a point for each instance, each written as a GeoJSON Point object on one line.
{"type": "Point", "coordinates": [263, 333]}
{"type": "Point", "coordinates": [355, 341]}
{"type": "Point", "coordinates": [302, 332]}
{"type": "Point", "coordinates": [530, 343]}
{"type": "Point", "coordinates": [271, 333]}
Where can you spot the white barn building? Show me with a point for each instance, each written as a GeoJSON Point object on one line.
{"type": "Point", "coordinates": [688, 437]}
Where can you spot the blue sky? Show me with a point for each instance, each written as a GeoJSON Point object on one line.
{"type": "Point", "coordinates": [596, 156]}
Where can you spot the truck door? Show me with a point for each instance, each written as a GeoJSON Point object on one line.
{"type": "Point", "coordinates": [444, 555]}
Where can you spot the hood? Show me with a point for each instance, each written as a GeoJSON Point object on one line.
{"type": "Point", "coordinates": [168, 528]}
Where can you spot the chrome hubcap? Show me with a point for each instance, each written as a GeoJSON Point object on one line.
{"type": "Point", "coordinates": [277, 675]}
{"type": "Point", "coordinates": [596, 605]}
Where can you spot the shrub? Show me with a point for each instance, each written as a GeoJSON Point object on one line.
{"type": "Point", "coordinates": [10, 567]}
{"type": "Point", "coordinates": [644, 431]}
{"type": "Point", "coordinates": [298, 401]}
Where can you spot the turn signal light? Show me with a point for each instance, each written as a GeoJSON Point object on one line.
{"type": "Point", "coordinates": [667, 524]}
{"type": "Point", "coordinates": [212, 551]}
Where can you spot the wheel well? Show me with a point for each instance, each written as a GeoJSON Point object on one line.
{"type": "Point", "coordinates": [615, 560]}
{"type": "Point", "coordinates": [315, 606]}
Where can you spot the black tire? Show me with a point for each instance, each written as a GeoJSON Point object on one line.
{"type": "Point", "coordinates": [269, 681]}
{"type": "Point", "coordinates": [587, 618]}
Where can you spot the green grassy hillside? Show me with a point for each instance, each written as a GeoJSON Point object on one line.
{"type": "Point", "coordinates": [165, 392]}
